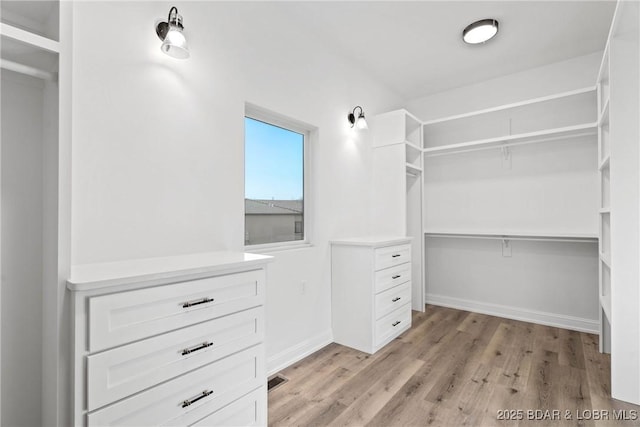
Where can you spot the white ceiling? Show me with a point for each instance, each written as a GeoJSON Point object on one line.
{"type": "Point", "coordinates": [415, 47]}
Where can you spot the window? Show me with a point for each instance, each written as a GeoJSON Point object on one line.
{"type": "Point", "coordinates": [275, 158]}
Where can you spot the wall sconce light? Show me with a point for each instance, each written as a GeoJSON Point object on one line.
{"type": "Point", "coordinates": [174, 43]}
{"type": "Point", "coordinates": [358, 122]}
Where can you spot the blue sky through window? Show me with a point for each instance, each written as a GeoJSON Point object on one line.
{"type": "Point", "coordinates": [274, 160]}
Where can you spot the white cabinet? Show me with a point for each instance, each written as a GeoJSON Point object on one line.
{"type": "Point", "coordinates": [370, 291]}
{"type": "Point", "coordinates": [397, 187]}
{"type": "Point", "coordinates": [170, 341]}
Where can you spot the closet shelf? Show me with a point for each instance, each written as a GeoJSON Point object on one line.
{"type": "Point", "coordinates": [605, 260]}
{"type": "Point", "coordinates": [605, 303]}
{"type": "Point", "coordinates": [29, 38]}
{"type": "Point", "coordinates": [513, 105]}
{"type": "Point", "coordinates": [529, 236]}
{"type": "Point", "coordinates": [603, 70]}
{"type": "Point", "coordinates": [585, 129]}
{"type": "Point", "coordinates": [604, 163]}
{"type": "Point", "coordinates": [413, 169]}
{"type": "Point", "coordinates": [603, 119]}
{"type": "Point", "coordinates": [413, 146]}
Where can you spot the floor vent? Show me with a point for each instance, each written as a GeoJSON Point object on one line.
{"type": "Point", "coordinates": [276, 381]}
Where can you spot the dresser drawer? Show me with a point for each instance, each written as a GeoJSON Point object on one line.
{"type": "Point", "coordinates": [392, 324]}
{"type": "Point", "coordinates": [249, 410]}
{"type": "Point", "coordinates": [129, 316]}
{"type": "Point", "coordinates": [390, 277]}
{"type": "Point", "coordinates": [389, 300]}
{"type": "Point", "coordinates": [191, 397]}
{"type": "Point", "coordinates": [392, 255]}
{"type": "Point", "coordinates": [125, 370]}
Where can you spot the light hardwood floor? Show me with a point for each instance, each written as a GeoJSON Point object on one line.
{"type": "Point", "coordinates": [454, 368]}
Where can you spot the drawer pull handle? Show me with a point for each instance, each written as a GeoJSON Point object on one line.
{"type": "Point", "coordinates": [395, 256]}
{"type": "Point", "coordinates": [395, 323]}
{"type": "Point", "coordinates": [396, 299]}
{"type": "Point", "coordinates": [195, 399]}
{"type": "Point", "coordinates": [197, 302]}
{"type": "Point", "coordinates": [193, 350]}
{"type": "Point", "coordinates": [396, 276]}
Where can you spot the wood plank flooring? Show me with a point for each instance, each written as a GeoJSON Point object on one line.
{"type": "Point", "coordinates": [455, 368]}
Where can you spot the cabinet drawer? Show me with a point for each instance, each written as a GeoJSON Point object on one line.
{"type": "Point", "coordinates": [125, 370]}
{"type": "Point", "coordinates": [129, 316]}
{"type": "Point", "coordinates": [249, 410]}
{"type": "Point", "coordinates": [390, 277]}
{"type": "Point", "coordinates": [391, 299]}
{"type": "Point", "coordinates": [391, 325]}
{"type": "Point", "coordinates": [392, 255]}
{"type": "Point", "coordinates": [191, 397]}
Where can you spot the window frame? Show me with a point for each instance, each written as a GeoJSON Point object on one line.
{"type": "Point", "coordinates": [308, 132]}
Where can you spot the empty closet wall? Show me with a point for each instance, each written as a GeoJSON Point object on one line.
{"type": "Point", "coordinates": [548, 188]}
{"type": "Point", "coordinates": [22, 180]}
{"type": "Point", "coordinates": [33, 268]}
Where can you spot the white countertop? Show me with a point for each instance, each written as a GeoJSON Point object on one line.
{"type": "Point", "coordinates": [101, 275]}
{"type": "Point", "coordinates": [374, 241]}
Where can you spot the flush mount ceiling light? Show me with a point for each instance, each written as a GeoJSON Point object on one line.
{"type": "Point", "coordinates": [480, 31]}
{"type": "Point", "coordinates": [174, 43]}
{"type": "Point", "coordinates": [358, 121]}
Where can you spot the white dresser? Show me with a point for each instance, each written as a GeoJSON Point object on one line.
{"type": "Point", "coordinates": [170, 341]}
{"type": "Point", "coordinates": [370, 290]}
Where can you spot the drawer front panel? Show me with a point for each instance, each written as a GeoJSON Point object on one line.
{"type": "Point", "coordinates": [390, 277]}
{"type": "Point", "coordinates": [129, 316]}
{"type": "Point", "coordinates": [392, 324]}
{"type": "Point", "coordinates": [249, 410]}
{"type": "Point", "coordinates": [391, 299]}
{"type": "Point", "coordinates": [191, 397]}
{"type": "Point", "coordinates": [125, 370]}
{"type": "Point", "coordinates": [392, 255]}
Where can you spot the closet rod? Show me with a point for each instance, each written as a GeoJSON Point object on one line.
{"type": "Point", "coordinates": [509, 144]}
{"type": "Point", "coordinates": [531, 238]}
{"type": "Point", "coordinates": [29, 71]}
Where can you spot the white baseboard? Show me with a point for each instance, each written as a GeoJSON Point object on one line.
{"type": "Point", "coordinates": [517, 313]}
{"type": "Point", "coordinates": [291, 355]}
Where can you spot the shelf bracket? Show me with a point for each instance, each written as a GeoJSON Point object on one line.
{"type": "Point", "coordinates": [506, 157]}
{"type": "Point", "coordinates": [506, 248]}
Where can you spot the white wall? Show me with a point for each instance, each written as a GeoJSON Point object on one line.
{"type": "Point", "coordinates": [22, 225]}
{"type": "Point", "coordinates": [548, 188]}
{"type": "Point", "coordinates": [158, 144]}
{"type": "Point", "coordinates": [571, 74]}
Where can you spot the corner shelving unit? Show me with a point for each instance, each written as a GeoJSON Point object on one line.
{"type": "Point", "coordinates": [604, 211]}
{"type": "Point", "coordinates": [495, 185]}
{"type": "Point", "coordinates": [619, 217]}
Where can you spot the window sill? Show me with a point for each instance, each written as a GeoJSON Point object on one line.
{"type": "Point", "coordinates": [272, 248]}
